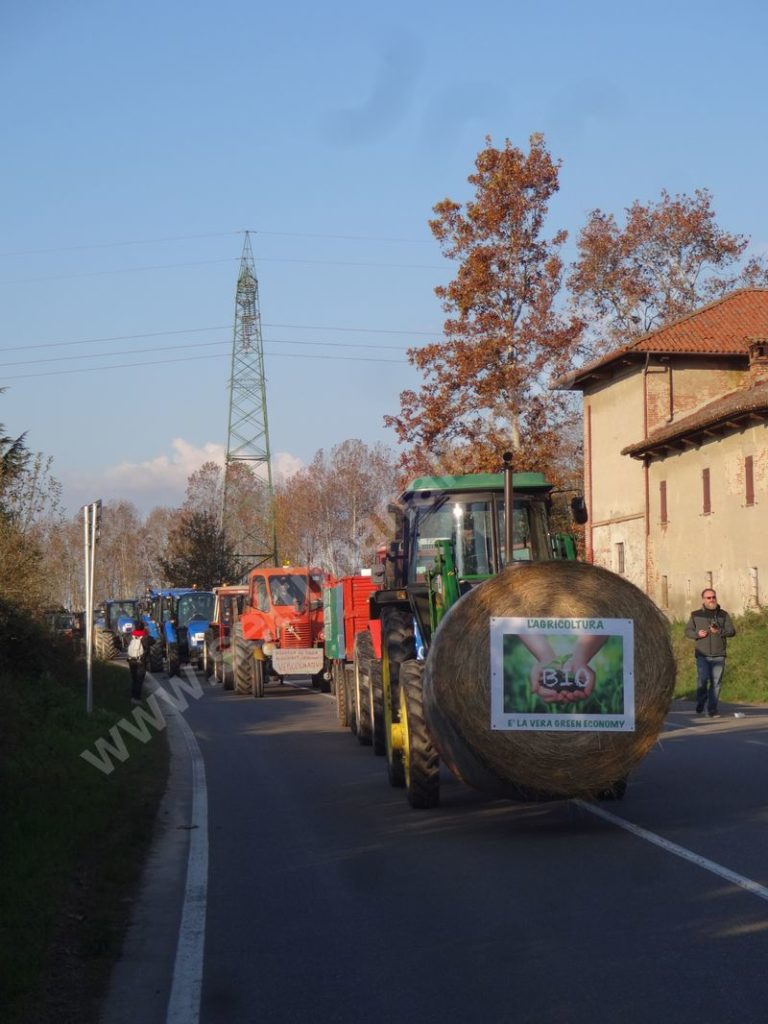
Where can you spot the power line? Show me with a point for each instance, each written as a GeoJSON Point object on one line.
{"type": "Point", "coordinates": [227, 259]}
{"type": "Point", "coordinates": [163, 362]}
{"type": "Point", "coordinates": [206, 344]}
{"type": "Point", "coordinates": [115, 245]}
{"type": "Point", "coordinates": [220, 327]}
{"type": "Point", "coordinates": [213, 234]}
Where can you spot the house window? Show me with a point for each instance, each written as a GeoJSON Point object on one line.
{"type": "Point", "coordinates": [706, 493]}
{"type": "Point", "coordinates": [749, 480]}
{"type": "Point", "coordinates": [663, 502]}
{"type": "Point", "coordinates": [620, 558]}
{"type": "Point", "coordinates": [664, 592]}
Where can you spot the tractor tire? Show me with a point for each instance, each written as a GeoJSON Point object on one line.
{"type": "Point", "coordinates": [156, 657]}
{"type": "Point", "coordinates": [226, 673]}
{"type": "Point", "coordinates": [349, 689]}
{"type": "Point", "coordinates": [376, 704]}
{"type": "Point", "coordinates": [324, 682]}
{"type": "Point", "coordinates": [207, 661]}
{"type": "Point", "coordinates": [398, 647]}
{"type": "Point", "coordinates": [319, 682]}
{"type": "Point", "coordinates": [614, 792]}
{"type": "Point", "coordinates": [104, 645]}
{"type": "Point", "coordinates": [174, 662]}
{"type": "Point", "coordinates": [242, 657]}
{"type": "Point", "coordinates": [342, 708]}
{"type": "Point", "coordinates": [363, 656]}
{"type": "Point", "coordinates": [420, 759]}
{"type": "Point", "coordinates": [258, 672]}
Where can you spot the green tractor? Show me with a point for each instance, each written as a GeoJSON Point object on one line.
{"type": "Point", "coordinates": [452, 533]}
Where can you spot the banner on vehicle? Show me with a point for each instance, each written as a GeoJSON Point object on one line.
{"type": "Point", "coordinates": [300, 662]}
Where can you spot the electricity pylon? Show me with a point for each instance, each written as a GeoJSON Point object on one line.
{"type": "Point", "coordinates": [248, 524]}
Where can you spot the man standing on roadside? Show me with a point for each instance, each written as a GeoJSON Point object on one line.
{"type": "Point", "coordinates": [709, 627]}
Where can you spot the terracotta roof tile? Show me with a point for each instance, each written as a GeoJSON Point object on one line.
{"type": "Point", "coordinates": [719, 414]}
{"type": "Point", "coordinates": [724, 327]}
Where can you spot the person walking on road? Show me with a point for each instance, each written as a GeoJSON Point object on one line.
{"type": "Point", "coordinates": [709, 627]}
{"type": "Point", "coordinates": [138, 653]}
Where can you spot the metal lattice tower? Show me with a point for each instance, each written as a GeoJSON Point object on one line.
{"type": "Point", "coordinates": [248, 433]}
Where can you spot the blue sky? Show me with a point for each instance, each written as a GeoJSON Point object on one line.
{"type": "Point", "coordinates": [139, 139]}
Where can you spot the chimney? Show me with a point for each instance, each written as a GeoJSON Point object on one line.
{"type": "Point", "coordinates": [758, 361]}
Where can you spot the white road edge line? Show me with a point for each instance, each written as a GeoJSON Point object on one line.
{"type": "Point", "coordinates": [187, 983]}
{"type": "Point", "coordinates": [679, 851]}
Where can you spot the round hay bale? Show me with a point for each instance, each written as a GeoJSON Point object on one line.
{"type": "Point", "coordinates": [533, 764]}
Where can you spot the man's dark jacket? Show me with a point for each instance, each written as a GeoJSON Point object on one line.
{"type": "Point", "coordinates": [713, 644]}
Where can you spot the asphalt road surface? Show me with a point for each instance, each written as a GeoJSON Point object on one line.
{"type": "Point", "coordinates": [329, 899]}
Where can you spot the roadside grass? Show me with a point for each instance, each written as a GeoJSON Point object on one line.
{"type": "Point", "coordinates": [746, 674]}
{"type": "Point", "coordinates": [73, 840]}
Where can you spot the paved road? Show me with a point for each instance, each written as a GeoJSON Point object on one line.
{"type": "Point", "coordinates": [330, 900]}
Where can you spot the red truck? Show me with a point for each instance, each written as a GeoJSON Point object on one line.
{"type": "Point", "coordinates": [279, 631]}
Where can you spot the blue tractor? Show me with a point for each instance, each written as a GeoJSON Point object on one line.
{"type": "Point", "coordinates": [112, 627]}
{"type": "Point", "coordinates": [176, 620]}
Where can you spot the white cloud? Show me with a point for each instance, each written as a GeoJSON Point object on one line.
{"type": "Point", "coordinates": [284, 465]}
{"type": "Point", "coordinates": [165, 471]}
{"type": "Point", "coordinates": [161, 480]}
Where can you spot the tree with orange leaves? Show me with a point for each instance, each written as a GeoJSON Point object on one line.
{"type": "Point", "coordinates": [669, 258]}
{"type": "Point", "coordinates": [485, 385]}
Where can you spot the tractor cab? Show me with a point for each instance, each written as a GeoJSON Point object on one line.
{"type": "Point", "coordinates": [452, 533]}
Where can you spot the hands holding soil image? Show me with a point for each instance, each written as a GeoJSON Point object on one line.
{"type": "Point", "coordinates": [563, 680]}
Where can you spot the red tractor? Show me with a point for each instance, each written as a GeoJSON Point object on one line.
{"type": "Point", "coordinates": [280, 629]}
{"type": "Point", "coordinates": [217, 654]}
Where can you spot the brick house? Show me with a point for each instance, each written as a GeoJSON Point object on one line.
{"type": "Point", "coordinates": [676, 456]}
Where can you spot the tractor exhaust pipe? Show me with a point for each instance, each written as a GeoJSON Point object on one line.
{"type": "Point", "coordinates": [509, 507]}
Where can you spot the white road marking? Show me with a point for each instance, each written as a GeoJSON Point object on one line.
{"type": "Point", "coordinates": [679, 851]}
{"type": "Point", "coordinates": [184, 1000]}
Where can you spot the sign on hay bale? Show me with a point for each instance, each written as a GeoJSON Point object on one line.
{"type": "Point", "coordinates": [547, 761]}
{"type": "Point", "coordinates": [556, 674]}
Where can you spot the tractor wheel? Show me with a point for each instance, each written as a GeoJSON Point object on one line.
{"type": "Point", "coordinates": [342, 708]}
{"type": "Point", "coordinates": [363, 655]}
{"type": "Point", "coordinates": [174, 663]}
{"type": "Point", "coordinates": [324, 680]}
{"type": "Point", "coordinates": [104, 645]}
{"type": "Point", "coordinates": [156, 657]}
{"type": "Point", "coordinates": [376, 704]}
{"type": "Point", "coordinates": [242, 656]}
{"type": "Point", "coordinates": [420, 759]}
{"type": "Point", "coordinates": [207, 661]}
{"type": "Point", "coordinates": [258, 671]}
{"type": "Point", "coordinates": [614, 792]}
{"type": "Point", "coordinates": [398, 646]}
{"type": "Point", "coordinates": [349, 689]}
{"type": "Point", "coordinates": [226, 672]}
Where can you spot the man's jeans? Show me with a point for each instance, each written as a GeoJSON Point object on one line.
{"type": "Point", "coordinates": [709, 675]}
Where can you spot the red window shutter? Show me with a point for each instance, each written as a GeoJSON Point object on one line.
{"type": "Point", "coordinates": [706, 491]}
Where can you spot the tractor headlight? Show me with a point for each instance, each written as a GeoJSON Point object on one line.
{"type": "Point", "coordinates": [269, 649]}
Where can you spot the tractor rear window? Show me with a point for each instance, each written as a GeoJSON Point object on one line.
{"type": "Point", "coordinates": [196, 606]}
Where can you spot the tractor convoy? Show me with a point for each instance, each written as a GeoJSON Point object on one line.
{"type": "Point", "coordinates": [477, 641]}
